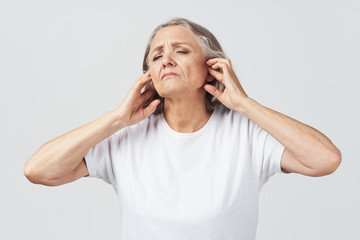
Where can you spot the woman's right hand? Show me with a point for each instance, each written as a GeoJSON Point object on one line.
{"type": "Point", "coordinates": [130, 111]}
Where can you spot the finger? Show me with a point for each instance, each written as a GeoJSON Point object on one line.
{"type": "Point", "coordinates": [222, 60]}
{"type": "Point", "coordinates": [213, 91]}
{"type": "Point", "coordinates": [218, 75]}
{"type": "Point", "coordinates": [141, 83]}
{"type": "Point", "coordinates": [220, 65]}
{"type": "Point", "coordinates": [151, 108]}
{"type": "Point", "coordinates": [146, 94]}
{"type": "Point", "coordinates": [144, 76]}
{"type": "Point", "coordinates": [212, 61]}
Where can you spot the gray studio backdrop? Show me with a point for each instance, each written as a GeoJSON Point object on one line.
{"type": "Point", "coordinates": [66, 63]}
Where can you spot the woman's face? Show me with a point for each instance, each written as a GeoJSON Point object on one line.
{"type": "Point", "coordinates": [174, 49]}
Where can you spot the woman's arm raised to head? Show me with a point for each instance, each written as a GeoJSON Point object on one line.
{"type": "Point", "coordinates": [307, 150]}
{"type": "Point", "coordinates": [61, 160]}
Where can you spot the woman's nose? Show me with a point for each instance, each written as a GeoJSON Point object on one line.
{"type": "Point", "coordinates": [167, 60]}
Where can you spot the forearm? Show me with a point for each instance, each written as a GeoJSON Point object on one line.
{"type": "Point", "coordinates": [63, 154]}
{"type": "Point", "coordinates": [307, 145]}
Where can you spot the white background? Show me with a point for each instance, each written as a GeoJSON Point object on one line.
{"type": "Point", "coordinates": [66, 63]}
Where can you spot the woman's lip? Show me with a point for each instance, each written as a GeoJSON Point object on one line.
{"type": "Point", "coordinates": [168, 74]}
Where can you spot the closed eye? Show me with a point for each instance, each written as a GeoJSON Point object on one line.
{"type": "Point", "coordinates": [156, 57]}
{"type": "Point", "coordinates": [183, 52]}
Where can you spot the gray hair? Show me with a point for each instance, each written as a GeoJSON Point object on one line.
{"type": "Point", "coordinates": [211, 49]}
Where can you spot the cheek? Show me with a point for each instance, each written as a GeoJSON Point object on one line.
{"type": "Point", "coordinates": [152, 71]}
{"type": "Point", "coordinates": [202, 70]}
{"type": "Point", "coordinates": [154, 76]}
{"type": "Point", "coordinates": [196, 72]}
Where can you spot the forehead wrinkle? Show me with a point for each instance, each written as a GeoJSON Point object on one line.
{"type": "Point", "coordinates": [172, 44]}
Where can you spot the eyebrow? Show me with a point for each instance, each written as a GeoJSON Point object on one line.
{"type": "Point", "coordinates": [172, 44]}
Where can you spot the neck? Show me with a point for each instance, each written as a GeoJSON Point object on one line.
{"type": "Point", "coordinates": [187, 114]}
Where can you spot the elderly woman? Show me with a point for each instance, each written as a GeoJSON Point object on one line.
{"type": "Point", "coordinates": [187, 151]}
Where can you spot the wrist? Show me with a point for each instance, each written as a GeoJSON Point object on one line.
{"type": "Point", "coordinates": [245, 106]}
{"type": "Point", "coordinates": [116, 122]}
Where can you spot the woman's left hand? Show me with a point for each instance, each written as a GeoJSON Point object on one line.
{"type": "Point", "coordinates": [234, 95]}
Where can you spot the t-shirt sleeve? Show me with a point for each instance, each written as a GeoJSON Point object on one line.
{"type": "Point", "coordinates": [100, 158]}
{"type": "Point", "coordinates": [266, 151]}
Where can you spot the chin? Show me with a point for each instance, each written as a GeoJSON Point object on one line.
{"type": "Point", "coordinates": [165, 93]}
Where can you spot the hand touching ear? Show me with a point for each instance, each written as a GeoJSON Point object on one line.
{"type": "Point", "coordinates": [130, 110]}
{"type": "Point", "coordinates": [233, 95]}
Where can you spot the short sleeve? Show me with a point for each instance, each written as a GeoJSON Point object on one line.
{"type": "Point", "coordinates": [266, 151]}
{"type": "Point", "coordinates": [100, 159]}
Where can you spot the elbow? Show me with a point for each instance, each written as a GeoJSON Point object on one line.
{"type": "Point", "coordinates": [34, 176]}
{"type": "Point", "coordinates": [330, 163]}
{"type": "Point", "coordinates": [29, 174]}
{"type": "Point", "coordinates": [31, 168]}
{"type": "Point", "coordinates": [335, 160]}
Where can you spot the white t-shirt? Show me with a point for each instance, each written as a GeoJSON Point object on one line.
{"type": "Point", "coordinates": [188, 186]}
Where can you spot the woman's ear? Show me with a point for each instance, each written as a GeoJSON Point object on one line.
{"type": "Point", "coordinates": [209, 78]}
